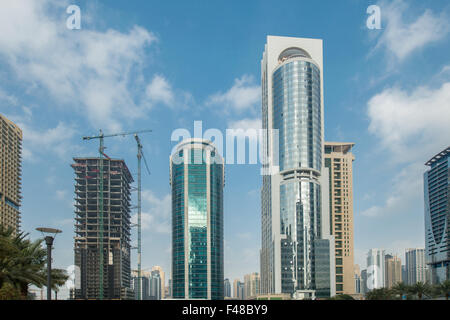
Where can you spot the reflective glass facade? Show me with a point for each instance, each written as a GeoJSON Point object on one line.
{"type": "Point", "coordinates": [197, 229]}
{"type": "Point", "coordinates": [297, 114]}
{"type": "Point", "coordinates": [292, 196]}
{"type": "Point", "coordinates": [437, 216]}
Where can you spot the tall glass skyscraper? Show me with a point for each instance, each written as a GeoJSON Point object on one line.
{"type": "Point", "coordinates": [437, 216]}
{"type": "Point", "coordinates": [197, 180]}
{"type": "Point", "coordinates": [297, 251]}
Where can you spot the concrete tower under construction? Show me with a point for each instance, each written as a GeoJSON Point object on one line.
{"type": "Point", "coordinates": [116, 228]}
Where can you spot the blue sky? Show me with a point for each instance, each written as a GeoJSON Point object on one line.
{"type": "Point", "coordinates": [163, 65]}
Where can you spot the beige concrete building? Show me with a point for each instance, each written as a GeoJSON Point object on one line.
{"type": "Point", "coordinates": [10, 173]}
{"type": "Point", "coordinates": [251, 285]}
{"type": "Point", "coordinates": [339, 159]}
{"type": "Point", "coordinates": [393, 271]}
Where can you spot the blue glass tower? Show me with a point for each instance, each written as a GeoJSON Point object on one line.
{"type": "Point", "coordinates": [437, 216]}
{"type": "Point", "coordinates": [197, 180]}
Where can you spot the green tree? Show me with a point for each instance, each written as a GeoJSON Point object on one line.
{"type": "Point", "coordinates": [9, 292]}
{"type": "Point", "coordinates": [400, 289]}
{"type": "Point", "coordinates": [23, 263]}
{"type": "Point", "coordinates": [342, 297]}
{"type": "Point", "coordinates": [379, 294]}
{"type": "Point", "coordinates": [420, 289]}
{"type": "Point", "coordinates": [444, 288]}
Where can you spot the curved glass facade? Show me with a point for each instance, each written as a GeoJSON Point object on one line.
{"type": "Point", "coordinates": [197, 228]}
{"type": "Point", "coordinates": [297, 114]}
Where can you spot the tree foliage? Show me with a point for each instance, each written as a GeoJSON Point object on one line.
{"type": "Point", "coordinates": [23, 263]}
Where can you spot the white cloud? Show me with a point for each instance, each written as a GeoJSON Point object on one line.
{"type": "Point", "coordinates": [41, 142]}
{"type": "Point", "coordinates": [156, 212]}
{"type": "Point", "coordinates": [406, 189]}
{"type": "Point", "coordinates": [400, 38]}
{"type": "Point", "coordinates": [160, 90]}
{"type": "Point", "coordinates": [87, 71]}
{"type": "Point", "coordinates": [242, 96]}
{"type": "Point", "coordinates": [411, 125]}
{"type": "Point", "coordinates": [61, 194]}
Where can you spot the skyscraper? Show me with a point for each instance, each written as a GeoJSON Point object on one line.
{"type": "Point", "coordinates": [162, 275]}
{"type": "Point", "coordinates": [116, 228]}
{"type": "Point", "coordinates": [375, 271]}
{"type": "Point", "coordinates": [145, 284]}
{"type": "Point", "coordinates": [238, 289]}
{"type": "Point", "coordinates": [393, 271]}
{"type": "Point", "coordinates": [437, 216]}
{"type": "Point", "coordinates": [416, 269]}
{"type": "Point", "coordinates": [155, 290]}
{"type": "Point", "coordinates": [251, 285]}
{"type": "Point", "coordinates": [197, 180]}
{"type": "Point", "coordinates": [339, 161]}
{"type": "Point", "coordinates": [295, 211]}
{"type": "Point", "coordinates": [10, 173]}
{"type": "Point", "coordinates": [227, 288]}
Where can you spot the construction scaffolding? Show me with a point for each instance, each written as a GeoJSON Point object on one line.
{"type": "Point", "coordinates": [115, 234]}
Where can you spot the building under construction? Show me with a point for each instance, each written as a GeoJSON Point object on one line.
{"type": "Point", "coordinates": [116, 228]}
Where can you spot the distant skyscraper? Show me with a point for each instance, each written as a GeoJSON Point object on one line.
{"type": "Point", "coordinates": [393, 271]}
{"type": "Point", "coordinates": [162, 275]}
{"type": "Point", "coordinates": [364, 288]}
{"type": "Point", "coordinates": [357, 278]}
{"type": "Point", "coordinates": [376, 265]}
{"type": "Point", "coordinates": [238, 290]}
{"type": "Point", "coordinates": [145, 284]}
{"type": "Point", "coordinates": [251, 285]}
{"type": "Point", "coordinates": [155, 290]}
{"type": "Point", "coordinates": [227, 288]}
{"type": "Point", "coordinates": [339, 160]}
{"type": "Point", "coordinates": [116, 225]}
{"type": "Point", "coordinates": [295, 209]}
{"type": "Point", "coordinates": [415, 267]}
{"type": "Point", "coordinates": [437, 216]}
{"type": "Point", "coordinates": [197, 180]}
{"type": "Point", "coordinates": [10, 173]}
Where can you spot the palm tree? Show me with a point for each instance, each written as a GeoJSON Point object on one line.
{"type": "Point", "coordinates": [400, 288]}
{"type": "Point", "coordinates": [421, 289]}
{"type": "Point", "coordinates": [444, 288]}
{"type": "Point", "coordinates": [379, 294]}
{"type": "Point", "coordinates": [23, 263]}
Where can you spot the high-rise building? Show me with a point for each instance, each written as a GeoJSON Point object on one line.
{"type": "Point", "coordinates": [437, 216]}
{"type": "Point", "coordinates": [294, 205]}
{"type": "Point", "coordinates": [227, 288]}
{"type": "Point", "coordinates": [238, 289]}
{"type": "Point", "coordinates": [375, 271]}
{"type": "Point", "coordinates": [155, 285]}
{"type": "Point", "coordinates": [10, 173]}
{"type": "Point", "coordinates": [415, 266]}
{"type": "Point", "coordinates": [116, 228]}
{"type": "Point", "coordinates": [145, 284]}
{"type": "Point", "coordinates": [364, 288]}
{"type": "Point", "coordinates": [393, 271]}
{"type": "Point", "coordinates": [162, 275]}
{"type": "Point", "coordinates": [339, 161]}
{"type": "Point", "coordinates": [197, 180]}
{"type": "Point", "coordinates": [251, 285]}
{"type": "Point", "coordinates": [357, 278]}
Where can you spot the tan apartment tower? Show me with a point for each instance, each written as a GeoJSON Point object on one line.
{"type": "Point", "coordinates": [339, 159]}
{"type": "Point", "coordinates": [393, 271]}
{"type": "Point", "coordinates": [10, 173]}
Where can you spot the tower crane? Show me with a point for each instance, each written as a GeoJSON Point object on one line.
{"type": "Point", "coordinates": [101, 152]}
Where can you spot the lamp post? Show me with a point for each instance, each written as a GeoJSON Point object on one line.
{"type": "Point", "coordinates": [49, 242]}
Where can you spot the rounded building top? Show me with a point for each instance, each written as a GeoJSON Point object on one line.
{"type": "Point", "coordinates": [292, 52]}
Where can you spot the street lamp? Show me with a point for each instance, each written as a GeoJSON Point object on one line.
{"type": "Point", "coordinates": [49, 241]}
